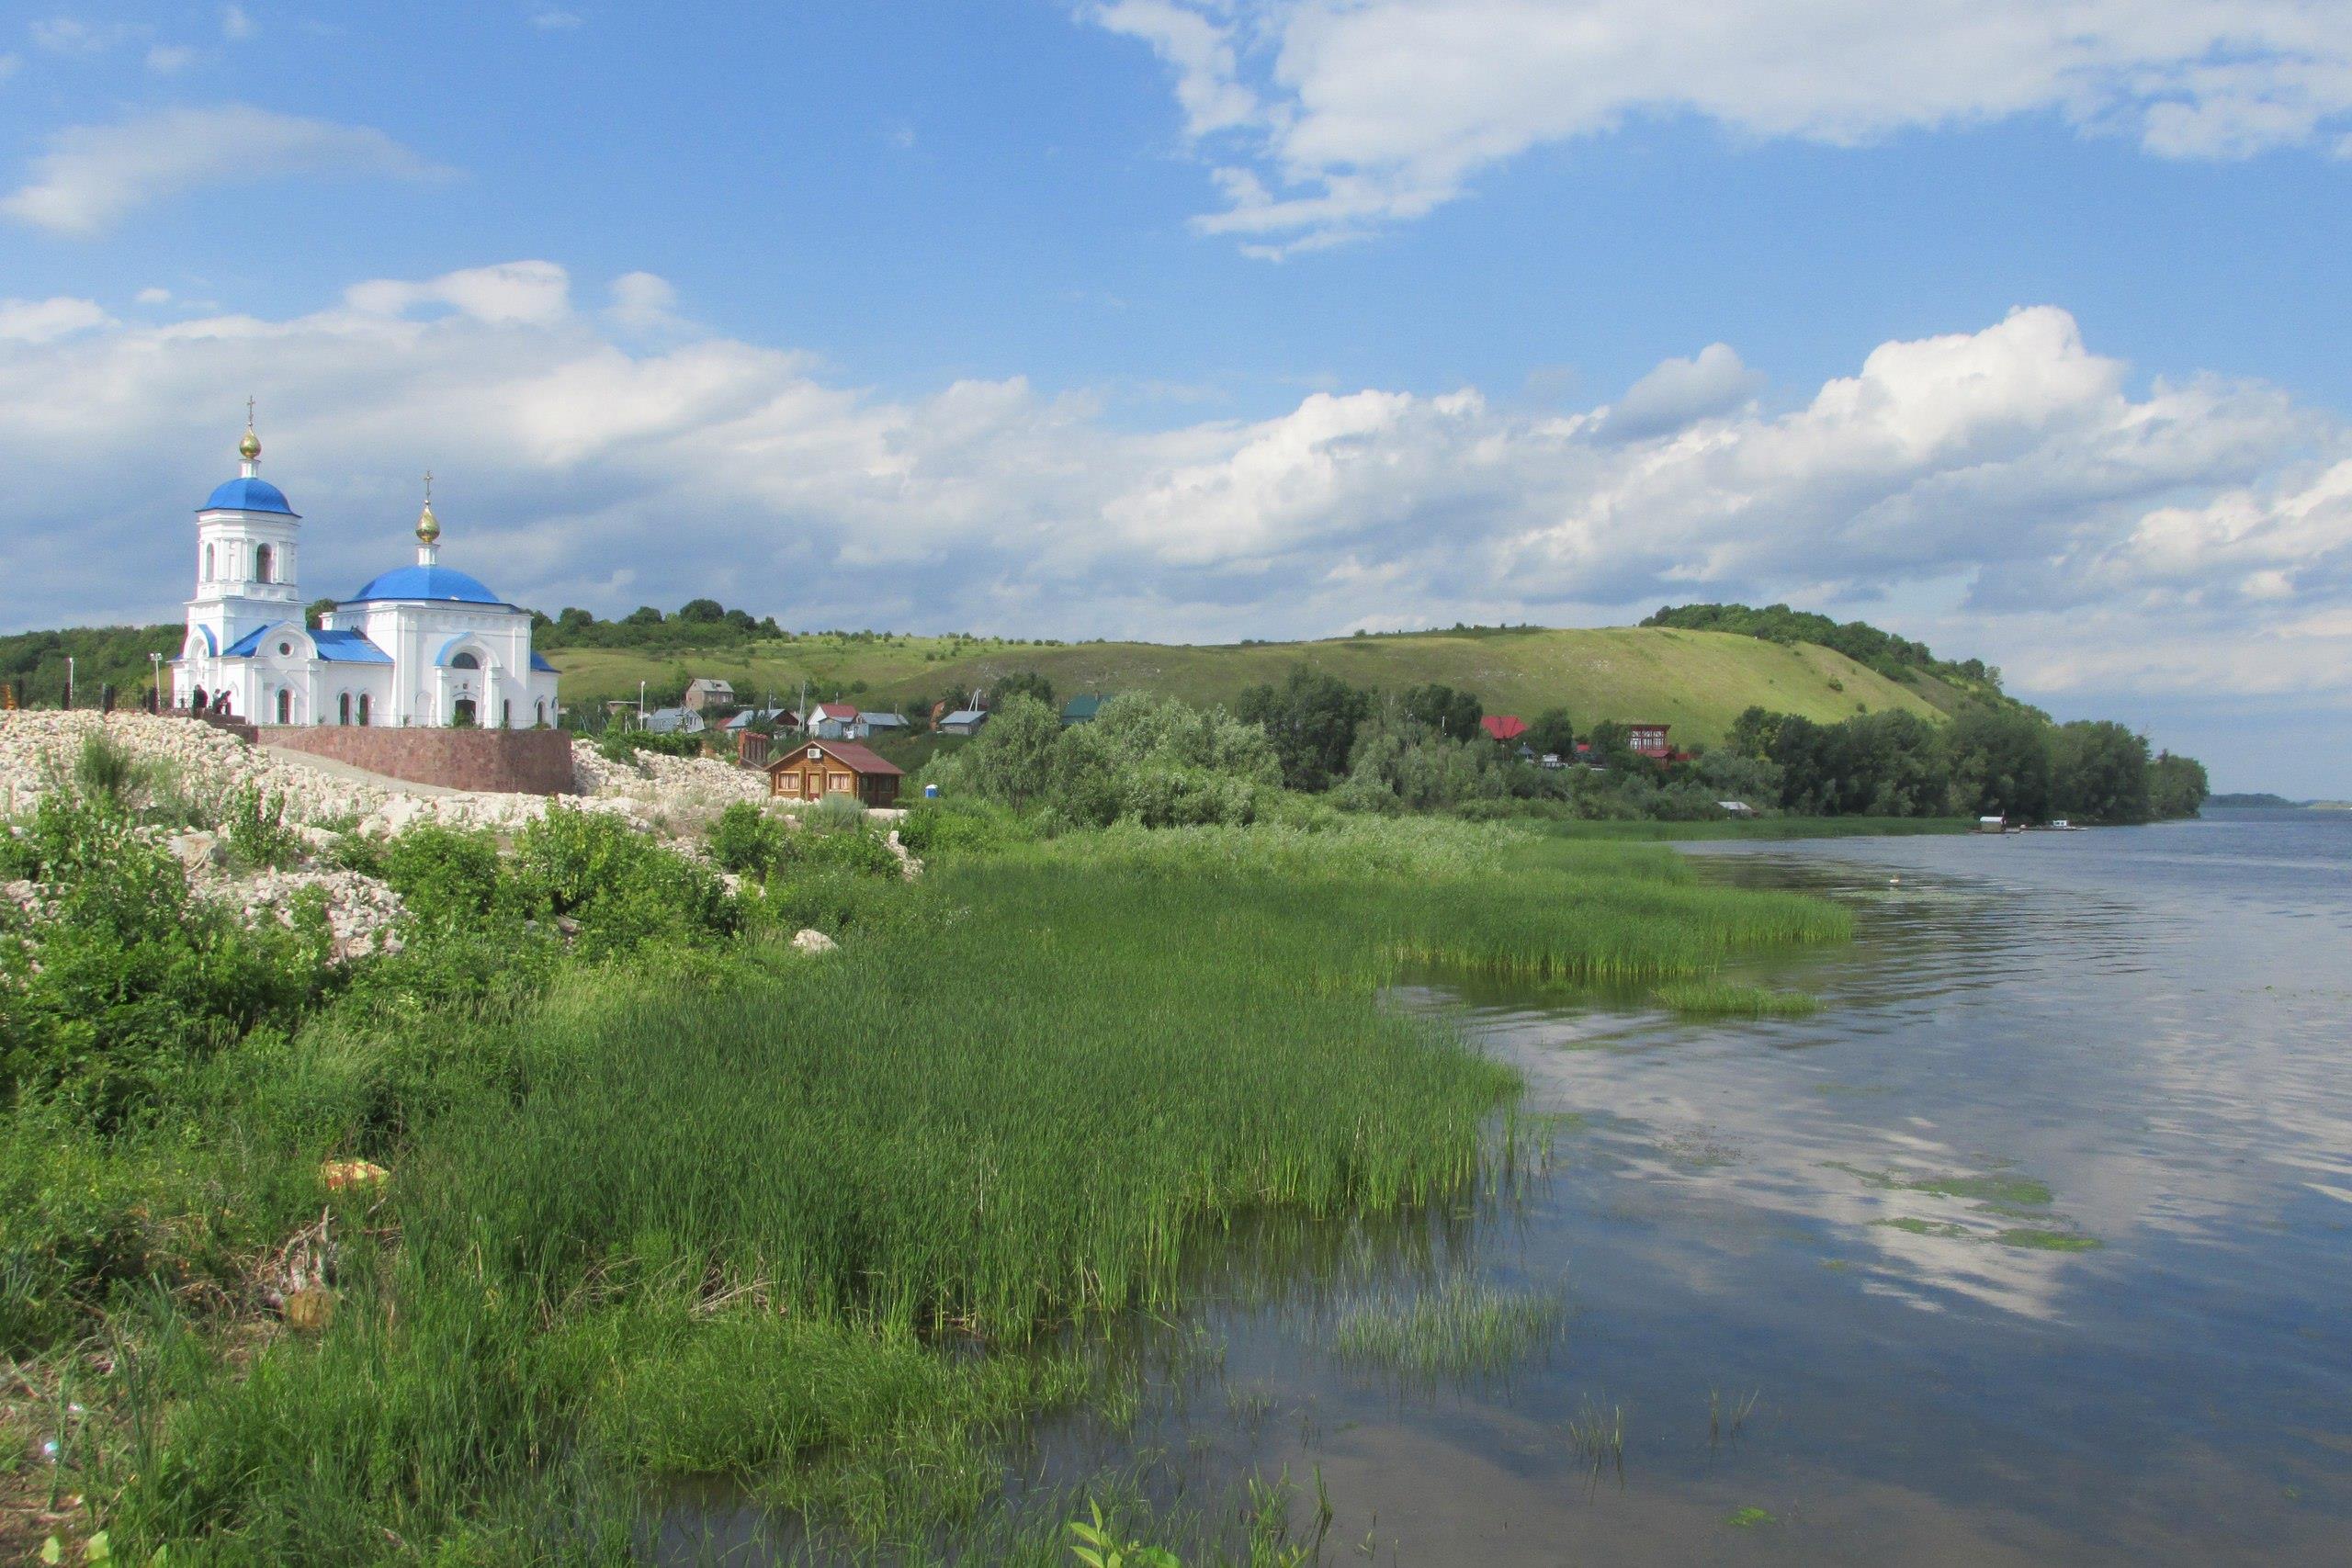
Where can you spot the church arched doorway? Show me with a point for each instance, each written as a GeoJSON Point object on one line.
{"type": "Point", "coordinates": [284, 705]}
{"type": "Point", "coordinates": [462, 716]}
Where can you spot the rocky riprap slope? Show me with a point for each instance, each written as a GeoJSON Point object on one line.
{"type": "Point", "coordinates": [38, 748]}
{"type": "Point", "coordinates": [196, 762]}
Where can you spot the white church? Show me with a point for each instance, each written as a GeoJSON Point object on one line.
{"type": "Point", "coordinates": [422, 645]}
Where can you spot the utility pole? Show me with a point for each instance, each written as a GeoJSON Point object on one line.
{"type": "Point", "coordinates": [69, 680]}
{"type": "Point", "coordinates": [641, 705]}
{"type": "Point", "coordinates": [156, 660]}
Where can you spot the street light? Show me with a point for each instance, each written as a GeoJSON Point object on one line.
{"type": "Point", "coordinates": [69, 680]}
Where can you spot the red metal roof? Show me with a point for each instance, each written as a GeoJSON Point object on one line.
{"type": "Point", "coordinates": [838, 710]}
{"type": "Point", "coordinates": [1504, 726]}
{"type": "Point", "coordinates": [849, 753]}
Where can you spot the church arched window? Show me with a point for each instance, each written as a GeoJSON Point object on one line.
{"type": "Point", "coordinates": [261, 563]}
{"type": "Point", "coordinates": [465, 662]}
{"type": "Point", "coordinates": [284, 705]}
{"type": "Point", "coordinates": [362, 710]}
{"type": "Point", "coordinates": [540, 712]}
{"type": "Point", "coordinates": [506, 713]}
{"type": "Point", "coordinates": [208, 563]}
{"type": "Point", "coordinates": [342, 708]}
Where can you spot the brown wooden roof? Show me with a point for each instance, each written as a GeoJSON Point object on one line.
{"type": "Point", "coordinates": [849, 753]}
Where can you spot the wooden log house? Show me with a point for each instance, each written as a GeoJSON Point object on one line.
{"type": "Point", "coordinates": [811, 770]}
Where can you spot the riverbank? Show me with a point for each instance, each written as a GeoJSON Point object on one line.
{"type": "Point", "coordinates": [663, 1196]}
{"type": "Point", "coordinates": [1764, 828]}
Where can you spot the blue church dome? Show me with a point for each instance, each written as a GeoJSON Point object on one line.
{"type": "Point", "coordinates": [247, 495]}
{"type": "Point", "coordinates": [426, 582]}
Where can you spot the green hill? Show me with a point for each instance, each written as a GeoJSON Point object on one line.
{"type": "Point", "coordinates": [1696, 680]}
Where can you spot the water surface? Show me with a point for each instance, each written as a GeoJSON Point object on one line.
{"type": "Point", "coordinates": [2034, 1246]}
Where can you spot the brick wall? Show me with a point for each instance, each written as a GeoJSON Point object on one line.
{"type": "Point", "coordinates": [512, 761]}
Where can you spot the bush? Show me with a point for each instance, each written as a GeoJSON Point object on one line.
{"type": "Point", "coordinates": [258, 832]}
{"type": "Point", "coordinates": [747, 841]}
{"type": "Point", "coordinates": [620, 886]}
{"type": "Point", "coordinates": [126, 981]}
{"type": "Point", "coordinates": [445, 877]}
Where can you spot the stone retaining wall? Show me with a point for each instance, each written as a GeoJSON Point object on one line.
{"type": "Point", "coordinates": [503, 761]}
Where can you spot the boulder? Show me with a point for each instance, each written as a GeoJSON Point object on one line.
{"type": "Point", "coordinates": [814, 941]}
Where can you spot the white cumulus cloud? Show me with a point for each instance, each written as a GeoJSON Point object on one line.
{"type": "Point", "coordinates": [91, 175]}
{"type": "Point", "coordinates": [43, 320]}
{"type": "Point", "coordinates": [1345, 115]}
{"type": "Point", "coordinates": [2190, 536]}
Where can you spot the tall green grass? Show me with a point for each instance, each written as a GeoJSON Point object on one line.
{"type": "Point", "coordinates": [809, 1224]}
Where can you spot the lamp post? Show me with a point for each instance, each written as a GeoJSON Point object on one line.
{"type": "Point", "coordinates": [69, 680]}
{"type": "Point", "coordinates": [157, 660]}
{"type": "Point", "coordinates": [641, 705]}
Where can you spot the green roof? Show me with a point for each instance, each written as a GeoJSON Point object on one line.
{"type": "Point", "coordinates": [1081, 710]}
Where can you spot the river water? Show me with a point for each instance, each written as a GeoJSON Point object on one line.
{"type": "Point", "coordinates": [2034, 1246]}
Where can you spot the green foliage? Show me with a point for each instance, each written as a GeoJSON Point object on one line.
{"type": "Point", "coordinates": [1888, 654]}
{"type": "Point", "coordinates": [103, 656]}
{"type": "Point", "coordinates": [622, 888]}
{"type": "Point", "coordinates": [2000, 764]}
{"type": "Point", "coordinates": [2099, 771]}
{"type": "Point", "coordinates": [2176, 786]}
{"type": "Point", "coordinates": [1011, 760]}
{"type": "Point", "coordinates": [1552, 733]}
{"type": "Point", "coordinates": [106, 772]}
{"type": "Point", "coordinates": [1024, 683]}
{"type": "Point", "coordinates": [125, 981]}
{"type": "Point", "coordinates": [1444, 710]}
{"type": "Point", "coordinates": [259, 834]}
{"type": "Point", "coordinates": [447, 876]}
{"type": "Point", "coordinates": [1465, 1326]}
{"type": "Point", "coordinates": [699, 623]}
{"type": "Point", "coordinates": [1311, 719]}
{"type": "Point", "coordinates": [933, 827]}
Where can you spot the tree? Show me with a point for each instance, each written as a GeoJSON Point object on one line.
{"type": "Point", "coordinates": [2000, 764]}
{"type": "Point", "coordinates": [1028, 683]}
{"type": "Point", "coordinates": [318, 608]}
{"type": "Point", "coordinates": [2099, 771]}
{"type": "Point", "coordinates": [701, 611]}
{"type": "Point", "coordinates": [1552, 734]}
{"type": "Point", "coordinates": [2176, 786]}
{"type": "Point", "coordinates": [1754, 731]}
{"type": "Point", "coordinates": [1445, 710]}
{"type": "Point", "coordinates": [1611, 744]}
{"type": "Point", "coordinates": [1311, 719]}
{"type": "Point", "coordinates": [1011, 759]}
{"type": "Point", "coordinates": [643, 616]}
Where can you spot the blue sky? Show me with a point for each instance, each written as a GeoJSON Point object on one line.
{"type": "Point", "coordinates": [2017, 326]}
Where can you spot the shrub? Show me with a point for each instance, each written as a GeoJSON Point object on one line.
{"type": "Point", "coordinates": [106, 772]}
{"type": "Point", "coordinates": [619, 885]}
{"type": "Point", "coordinates": [445, 877]}
{"type": "Point", "coordinates": [258, 832]}
{"type": "Point", "coordinates": [747, 841]}
{"type": "Point", "coordinates": [126, 981]}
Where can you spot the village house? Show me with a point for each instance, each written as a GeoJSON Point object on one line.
{"type": "Point", "coordinates": [1648, 740]}
{"type": "Point", "coordinates": [673, 721]}
{"type": "Point", "coordinates": [709, 693]}
{"type": "Point", "coordinates": [1083, 708]}
{"type": "Point", "coordinates": [835, 721]}
{"type": "Point", "coordinates": [1503, 728]}
{"type": "Point", "coordinates": [815, 770]}
{"type": "Point", "coordinates": [764, 718]}
{"type": "Point", "coordinates": [963, 721]}
{"type": "Point", "coordinates": [882, 724]}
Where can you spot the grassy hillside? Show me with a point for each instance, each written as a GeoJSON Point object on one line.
{"type": "Point", "coordinates": [1698, 681]}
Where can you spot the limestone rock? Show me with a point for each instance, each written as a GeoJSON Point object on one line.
{"type": "Point", "coordinates": [814, 941]}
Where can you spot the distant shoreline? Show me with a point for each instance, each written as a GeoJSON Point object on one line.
{"type": "Point", "coordinates": [2271, 803]}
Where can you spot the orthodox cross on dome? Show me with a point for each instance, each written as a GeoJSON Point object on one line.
{"type": "Point", "coordinates": [249, 450]}
{"type": "Point", "coordinates": [428, 527]}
